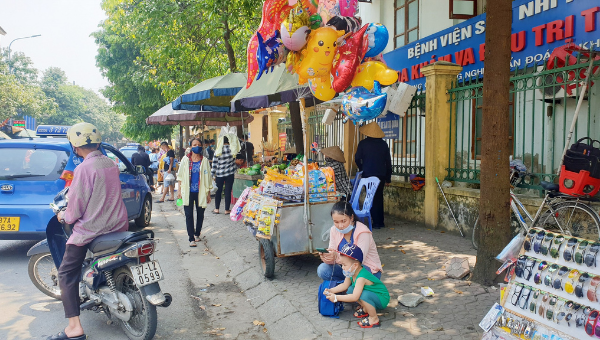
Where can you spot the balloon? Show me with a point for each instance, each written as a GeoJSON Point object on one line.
{"type": "Point", "coordinates": [328, 9]}
{"type": "Point", "coordinates": [361, 105]}
{"type": "Point", "coordinates": [294, 29]}
{"type": "Point", "coordinates": [347, 24]}
{"type": "Point", "coordinates": [315, 21]}
{"type": "Point", "coordinates": [371, 71]}
{"type": "Point", "coordinates": [347, 58]}
{"type": "Point", "coordinates": [318, 54]}
{"type": "Point", "coordinates": [321, 88]}
{"type": "Point", "coordinates": [378, 39]}
{"type": "Point", "coordinates": [348, 7]}
{"type": "Point", "coordinates": [273, 13]}
{"type": "Point", "coordinates": [270, 53]}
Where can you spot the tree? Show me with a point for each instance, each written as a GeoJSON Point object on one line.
{"type": "Point", "coordinates": [494, 204]}
{"type": "Point", "coordinates": [20, 66]}
{"type": "Point", "coordinates": [18, 98]}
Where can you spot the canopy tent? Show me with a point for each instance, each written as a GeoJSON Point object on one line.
{"type": "Point", "coordinates": [213, 94]}
{"type": "Point", "coordinates": [4, 135]}
{"type": "Point", "coordinates": [274, 88]}
{"type": "Point", "coordinates": [167, 116]}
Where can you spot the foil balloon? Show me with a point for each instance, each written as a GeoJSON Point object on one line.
{"type": "Point", "coordinates": [348, 7]}
{"type": "Point", "coordinates": [328, 9]}
{"type": "Point", "coordinates": [315, 21]}
{"type": "Point", "coordinates": [318, 54]}
{"type": "Point", "coordinates": [273, 14]}
{"type": "Point", "coordinates": [378, 39]}
{"type": "Point", "coordinates": [347, 59]}
{"type": "Point", "coordinates": [369, 72]}
{"type": "Point", "coordinates": [295, 29]}
{"type": "Point", "coordinates": [360, 105]}
{"type": "Point", "coordinates": [321, 88]}
{"type": "Point", "coordinates": [346, 24]}
{"type": "Point", "coordinates": [270, 53]}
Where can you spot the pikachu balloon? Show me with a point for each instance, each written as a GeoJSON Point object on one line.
{"type": "Point", "coordinates": [318, 54]}
{"type": "Point", "coordinates": [321, 88]}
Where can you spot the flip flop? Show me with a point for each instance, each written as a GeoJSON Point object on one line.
{"type": "Point", "coordinates": [159, 201]}
{"type": "Point", "coordinates": [215, 212]}
{"type": "Point", "coordinates": [63, 336]}
{"type": "Point", "coordinates": [361, 313]}
{"type": "Point", "coordinates": [364, 323]}
{"type": "Point", "coordinates": [193, 244]}
{"type": "Point", "coordinates": [227, 212]}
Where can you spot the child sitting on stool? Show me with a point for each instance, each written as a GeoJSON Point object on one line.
{"type": "Point", "coordinates": [361, 286]}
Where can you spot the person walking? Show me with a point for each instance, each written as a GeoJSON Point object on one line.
{"type": "Point", "coordinates": [373, 159]}
{"type": "Point", "coordinates": [223, 171]}
{"type": "Point", "coordinates": [143, 159]}
{"type": "Point", "coordinates": [154, 166]}
{"type": "Point", "coordinates": [195, 183]}
{"type": "Point", "coordinates": [168, 173]}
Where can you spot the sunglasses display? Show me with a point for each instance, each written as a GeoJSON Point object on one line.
{"type": "Point", "coordinates": [590, 257]}
{"type": "Point", "coordinates": [570, 249]}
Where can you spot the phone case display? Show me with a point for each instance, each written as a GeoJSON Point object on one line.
{"type": "Point", "coordinates": [553, 288]}
{"type": "Point", "coordinates": [321, 185]}
{"type": "Point", "coordinates": [261, 214]}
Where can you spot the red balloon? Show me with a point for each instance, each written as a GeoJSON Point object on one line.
{"type": "Point", "coordinates": [347, 59]}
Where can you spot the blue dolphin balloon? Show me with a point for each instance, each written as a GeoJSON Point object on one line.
{"type": "Point", "coordinates": [269, 53]}
{"type": "Point", "coordinates": [360, 105]}
{"type": "Point", "coordinates": [378, 37]}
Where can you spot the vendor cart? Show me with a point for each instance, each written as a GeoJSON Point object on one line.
{"type": "Point", "coordinates": [292, 236]}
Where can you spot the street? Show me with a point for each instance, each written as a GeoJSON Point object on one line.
{"type": "Point", "coordinates": [29, 314]}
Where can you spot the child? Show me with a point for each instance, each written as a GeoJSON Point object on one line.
{"type": "Point", "coordinates": [361, 286]}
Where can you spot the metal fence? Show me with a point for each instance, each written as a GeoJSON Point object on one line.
{"type": "Point", "coordinates": [407, 151]}
{"type": "Point", "coordinates": [541, 108]}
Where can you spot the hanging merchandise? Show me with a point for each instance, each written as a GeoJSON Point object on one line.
{"type": "Point", "coordinates": [321, 88]}
{"type": "Point", "coordinates": [371, 71]}
{"type": "Point", "coordinates": [360, 105]}
{"type": "Point", "coordinates": [378, 37]}
{"type": "Point", "coordinates": [321, 185]}
{"type": "Point", "coordinates": [401, 99]}
{"type": "Point", "coordinates": [328, 9]}
{"type": "Point", "coordinates": [236, 212]}
{"type": "Point", "coordinates": [347, 59]}
{"type": "Point", "coordinates": [295, 29]}
{"type": "Point", "coordinates": [318, 54]}
{"type": "Point", "coordinates": [348, 8]}
{"type": "Point", "coordinates": [346, 24]}
{"type": "Point", "coordinates": [269, 53]}
{"type": "Point", "coordinates": [261, 214]}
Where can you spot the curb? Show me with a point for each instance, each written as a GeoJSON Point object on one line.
{"type": "Point", "coordinates": [284, 320]}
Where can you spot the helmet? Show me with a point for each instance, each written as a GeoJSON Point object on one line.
{"type": "Point", "coordinates": [83, 134]}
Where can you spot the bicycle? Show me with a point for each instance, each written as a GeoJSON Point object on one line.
{"type": "Point", "coordinates": [566, 214]}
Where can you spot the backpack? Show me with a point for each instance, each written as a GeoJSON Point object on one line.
{"type": "Point", "coordinates": [326, 307]}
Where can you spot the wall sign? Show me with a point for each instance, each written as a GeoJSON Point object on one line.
{"type": "Point", "coordinates": [390, 124]}
{"type": "Point", "coordinates": [538, 27]}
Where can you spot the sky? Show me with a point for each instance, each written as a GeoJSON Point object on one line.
{"type": "Point", "coordinates": [65, 27]}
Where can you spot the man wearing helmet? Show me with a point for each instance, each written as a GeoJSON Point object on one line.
{"type": "Point", "coordinates": [95, 208]}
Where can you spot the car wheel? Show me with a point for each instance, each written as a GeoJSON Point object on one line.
{"type": "Point", "coordinates": [146, 215]}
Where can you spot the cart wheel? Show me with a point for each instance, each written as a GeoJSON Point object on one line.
{"type": "Point", "coordinates": [267, 257]}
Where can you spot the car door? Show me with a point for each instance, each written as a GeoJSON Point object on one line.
{"type": "Point", "coordinates": [130, 182]}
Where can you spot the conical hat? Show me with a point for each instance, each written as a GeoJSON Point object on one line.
{"type": "Point", "coordinates": [334, 152]}
{"type": "Point", "coordinates": [372, 130]}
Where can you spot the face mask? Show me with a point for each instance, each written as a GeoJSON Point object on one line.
{"type": "Point", "coordinates": [348, 273]}
{"type": "Point", "coordinates": [347, 230]}
{"type": "Point", "coordinates": [196, 149]}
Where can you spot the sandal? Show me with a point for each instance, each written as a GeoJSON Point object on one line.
{"type": "Point", "coordinates": [364, 323]}
{"type": "Point", "coordinates": [193, 244]}
{"type": "Point", "coordinates": [159, 201]}
{"type": "Point", "coordinates": [227, 212]}
{"type": "Point", "coordinates": [197, 238]}
{"type": "Point", "coordinates": [63, 336]}
{"type": "Point", "coordinates": [215, 211]}
{"type": "Point", "coordinates": [360, 313]}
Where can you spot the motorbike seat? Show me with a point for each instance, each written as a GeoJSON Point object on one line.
{"type": "Point", "coordinates": [109, 242]}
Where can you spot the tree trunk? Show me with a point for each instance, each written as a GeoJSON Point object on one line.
{"type": "Point", "coordinates": [228, 47]}
{"type": "Point", "coordinates": [297, 126]}
{"type": "Point", "coordinates": [494, 204]}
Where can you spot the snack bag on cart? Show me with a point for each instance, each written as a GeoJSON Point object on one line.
{"type": "Point", "coordinates": [236, 213]}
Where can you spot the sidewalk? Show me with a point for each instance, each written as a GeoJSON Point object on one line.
{"type": "Point", "coordinates": [288, 303]}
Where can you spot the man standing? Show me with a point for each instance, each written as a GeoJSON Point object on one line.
{"type": "Point", "coordinates": [143, 159]}
{"type": "Point", "coordinates": [245, 156]}
{"type": "Point", "coordinates": [373, 159]}
{"type": "Point", "coordinates": [95, 208]}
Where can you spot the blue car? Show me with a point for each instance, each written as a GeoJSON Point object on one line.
{"type": "Point", "coordinates": [34, 170]}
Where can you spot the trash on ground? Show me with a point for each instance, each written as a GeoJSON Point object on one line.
{"type": "Point", "coordinates": [426, 291]}
{"type": "Point", "coordinates": [457, 267]}
{"type": "Point", "coordinates": [411, 299]}
{"type": "Point", "coordinates": [258, 323]}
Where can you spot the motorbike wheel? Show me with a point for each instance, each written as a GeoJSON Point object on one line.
{"type": "Point", "coordinates": [44, 275]}
{"type": "Point", "coordinates": [146, 215]}
{"type": "Point", "coordinates": [142, 325]}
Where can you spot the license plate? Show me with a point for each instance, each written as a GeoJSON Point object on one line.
{"type": "Point", "coordinates": [9, 223]}
{"type": "Point", "coordinates": [146, 273]}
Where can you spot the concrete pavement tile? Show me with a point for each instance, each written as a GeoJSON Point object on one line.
{"type": "Point", "coordinates": [277, 308]}
{"type": "Point", "coordinates": [293, 326]}
{"type": "Point", "coordinates": [249, 279]}
{"type": "Point", "coordinates": [261, 294]}
{"type": "Point", "coordinates": [235, 263]}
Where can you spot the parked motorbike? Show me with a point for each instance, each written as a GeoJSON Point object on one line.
{"type": "Point", "coordinates": [119, 276]}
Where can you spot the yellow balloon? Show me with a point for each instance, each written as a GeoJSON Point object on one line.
{"type": "Point", "coordinates": [321, 88]}
{"type": "Point", "coordinates": [370, 71]}
{"type": "Point", "coordinates": [318, 53]}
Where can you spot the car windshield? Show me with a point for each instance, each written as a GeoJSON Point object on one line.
{"type": "Point", "coordinates": [128, 153]}
{"type": "Point", "coordinates": [32, 164]}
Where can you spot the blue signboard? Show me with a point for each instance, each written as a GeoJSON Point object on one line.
{"type": "Point", "coordinates": [390, 124]}
{"type": "Point", "coordinates": [52, 130]}
{"type": "Point", "coordinates": [539, 26]}
{"type": "Point", "coordinates": [29, 122]}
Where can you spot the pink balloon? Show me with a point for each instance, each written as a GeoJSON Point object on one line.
{"type": "Point", "coordinates": [348, 7]}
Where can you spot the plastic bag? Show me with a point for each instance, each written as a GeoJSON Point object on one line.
{"type": "Point", "coordinates": [169, 177]}
{"type": "Point", "coordinates": [511, 251]}
{"type": "Point", "coordinates": [214, 188]}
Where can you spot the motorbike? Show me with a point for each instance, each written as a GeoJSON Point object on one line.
{"type": "Point", "coordinates": [119, 275]}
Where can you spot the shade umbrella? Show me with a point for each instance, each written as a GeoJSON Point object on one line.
{"type": "Point", "coordinates": [213, 94]}
{"type": "Point", "coordinates": [167, 116]}
{"type": "Point", "coordinates": [274, 88]}
{"type": "Point", "coordinates": [4, 135]}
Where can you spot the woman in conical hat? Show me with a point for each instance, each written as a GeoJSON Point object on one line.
{"type": "Point", "coordinates": [334, 158]}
